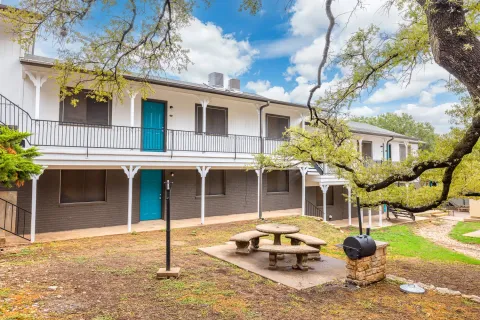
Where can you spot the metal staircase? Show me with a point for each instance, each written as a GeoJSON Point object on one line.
{"type": "Point", "coordinates": [14, 219]}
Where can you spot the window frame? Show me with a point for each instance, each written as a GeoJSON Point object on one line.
{"type": "Point", "coordinates": [288, 182]}
{"type": "Point", "coordinates": [83, 202]}
{"type": "Point", "coordinates": [198, 130]}
{"type": "Point", "coordinates": [267, 116]}
{"type": "Point", "coordinates": [198, 179]}
{"type": "Point", "coordinates": [405, 148]}
{"type": "Point", "coordinates": [371, 148]}
{"type": "Point", "coordinates": [61, 115]}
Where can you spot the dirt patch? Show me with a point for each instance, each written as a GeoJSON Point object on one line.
{"type": "Point", "coordinates": [462, 277]}
{"type": "Point", "coordinates": [114, 278]}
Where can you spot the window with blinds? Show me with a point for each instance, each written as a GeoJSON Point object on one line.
{"type": "Point", "coordinates": [82, 186]}
{"type": "Point", "coordinates": [367, 150]}
{"type": "Point", "coordinates": [403, 152]}
{"type": "Point", "coordinates": [217, 120]}
{"type": "Point", "coordinates": [278, 181]}
{"type": "Point", "coordinates": [276, 126]}
{"type": "Point", "coordinates": [214, 183]}
{"type": "Point", "coordinates": [87, 110]}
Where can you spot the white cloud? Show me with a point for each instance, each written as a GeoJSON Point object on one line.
{"type": "Point", "coordinates": [258, 86]}
{"type": "Point", "coordinates": [309, 19]}
{"type": "Point", "coordinates": [299, 93]}
{"type": "Point", "coordinates": [434, 115]}
{"type": "Point", "coordinates": [422, 78]}
{"type": "Point", "coordinates": [212, 50]}
{"type": "Point", "coordinates": [264, 88]}
{"type": "Point", "coordinates": [305, 19]}
{"type": "Point", "coordinates": [364, 111]}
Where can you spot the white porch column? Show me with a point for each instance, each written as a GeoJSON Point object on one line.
{"type": "Point", "coordinates": [303, 171]}
{"type": "Point", "coordinates": [369, 217]}
{"type": "Point", "coordinates": [349, 189]}
{"type": "Point", "coordinates": [380, 215]}
{"type": "Point", "coordinates": [203, 173]}
{"type": "Point", "coordinates": [130, 172]}
{"type": "Point", "coordinates": [302, 119]}
{"type": "Point", "coordinates": [204, 103]}
{"type": "Point", "coordinates": [360, 145]}
{"type": "Point", "coordinates": [33, 218]}
{"type": "Point", "coordinates": [324, 191]}
{"type": "Point", "coordinates": [259, 173]}
{"type": "Point", "coordinates": [361, 215]}
{"type": "Point", "coordinates": [132, 94]}
{"type": "Point", "coordinates": [38, 80]}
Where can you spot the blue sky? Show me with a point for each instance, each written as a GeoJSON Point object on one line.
{"type": "Point", "coordinates": [276, 54]}
{"type": "Point", "coordinates": [288, 45]}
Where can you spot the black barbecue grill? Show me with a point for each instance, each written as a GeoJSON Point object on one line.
{"type": "Point", "coordinates": [356, 247]}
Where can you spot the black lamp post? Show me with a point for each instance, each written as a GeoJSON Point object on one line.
{"type": "Point", "coordinates": [168, 272]}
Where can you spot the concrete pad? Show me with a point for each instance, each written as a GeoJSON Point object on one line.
{"type": "Point", "coordinates": [474, 234]}
{"type": "Point", "coordinates": [320, 272]}
{"type": "Point", "coordinates": [162, 273]}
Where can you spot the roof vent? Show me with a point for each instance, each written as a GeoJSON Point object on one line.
{"type": "Point", "coordinates": [234, 84]}
{"type": "Point", "coordinates": [215, 79]}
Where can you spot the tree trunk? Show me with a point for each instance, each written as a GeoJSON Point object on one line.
{"type": "Point", "coordinates": [454, 45]}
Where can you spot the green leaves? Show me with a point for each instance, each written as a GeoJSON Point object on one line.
{"type": "Point", "coordinates": [403, 124]}
{"type": "Point", "coordinates": [16, 163]}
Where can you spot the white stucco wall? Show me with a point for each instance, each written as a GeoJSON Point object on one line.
{"type": "Point", "coordinates": [11, 81]}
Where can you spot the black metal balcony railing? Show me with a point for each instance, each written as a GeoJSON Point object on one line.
{"type": "Point", "coordinates": [50, 133]}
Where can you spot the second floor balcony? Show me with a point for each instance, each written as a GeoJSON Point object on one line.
{"type": "Point", "coordinates": [49, 133]}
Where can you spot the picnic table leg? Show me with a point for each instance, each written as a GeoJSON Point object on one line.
{"type": "Point", "coordinates": [255, 243]}
{"type": "Point", "coordinates": [273, 261]}
{"type": "Point", "coordinates": [301, 262]}
{"type": "Point", "coordinates": [278, 242]}
{"type": "Point", "coordinates": [315, 256]}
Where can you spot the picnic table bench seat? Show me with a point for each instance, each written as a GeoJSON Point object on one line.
{"type": "Point", "coordinates": [243, 240]}
{"type": "Point", "coordinates": [297, 238]}
{"type": "Point", "coordinates": [300, 251]}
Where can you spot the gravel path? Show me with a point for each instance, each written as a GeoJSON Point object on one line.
{"type": "Point", "coordinates": [438, 232]}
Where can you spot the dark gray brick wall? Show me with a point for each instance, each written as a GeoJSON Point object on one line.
{"type": "Point", "coordinates": [339, 210]}
{"type": "Point", "coordinates": [53, 216]}
{"type": "Point", "coordinates": [240, 195]}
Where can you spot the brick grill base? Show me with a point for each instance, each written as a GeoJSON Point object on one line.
{"type": "Point", "coordinates": [368, 270]}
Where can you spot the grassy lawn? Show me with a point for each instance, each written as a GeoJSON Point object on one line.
{"type": "Point", "coordinates": [461, 228]}
{"type": "Point", "coordinates": [403, 242]}
{"type": "Point", "coordinates": [113, 278]}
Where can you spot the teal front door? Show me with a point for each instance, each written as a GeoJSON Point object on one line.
{"type": "Point", "coordinates": [151, 186]}
{"type": "Point", "coordinates": [153, 126]}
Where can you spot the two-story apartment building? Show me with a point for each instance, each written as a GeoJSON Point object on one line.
{"type": "Point", "coordinates": [105, 163]}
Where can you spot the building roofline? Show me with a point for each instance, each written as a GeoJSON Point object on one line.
{"type": "Point", "coordinates": [167, 83]}
{"type": "Point", "coordinates": [394, 135]}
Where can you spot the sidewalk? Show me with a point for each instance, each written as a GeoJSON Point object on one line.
{"type": "Point", "coordinates": [152, 225]}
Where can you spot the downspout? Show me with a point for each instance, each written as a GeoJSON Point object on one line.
{"type": "Point", "coordinates": [260, 175]}
{"type": "Point", "coordinates": [389, 156]}
{"type": "Point", "coordinates": [261, 126]}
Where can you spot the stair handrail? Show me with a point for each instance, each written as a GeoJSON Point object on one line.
{"type": "Point", "coordinates": [22, 121]}
{"type": "Point", "coordinates": [20, 219]}
{"type": "Point", "coordinates": [312, 210]}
